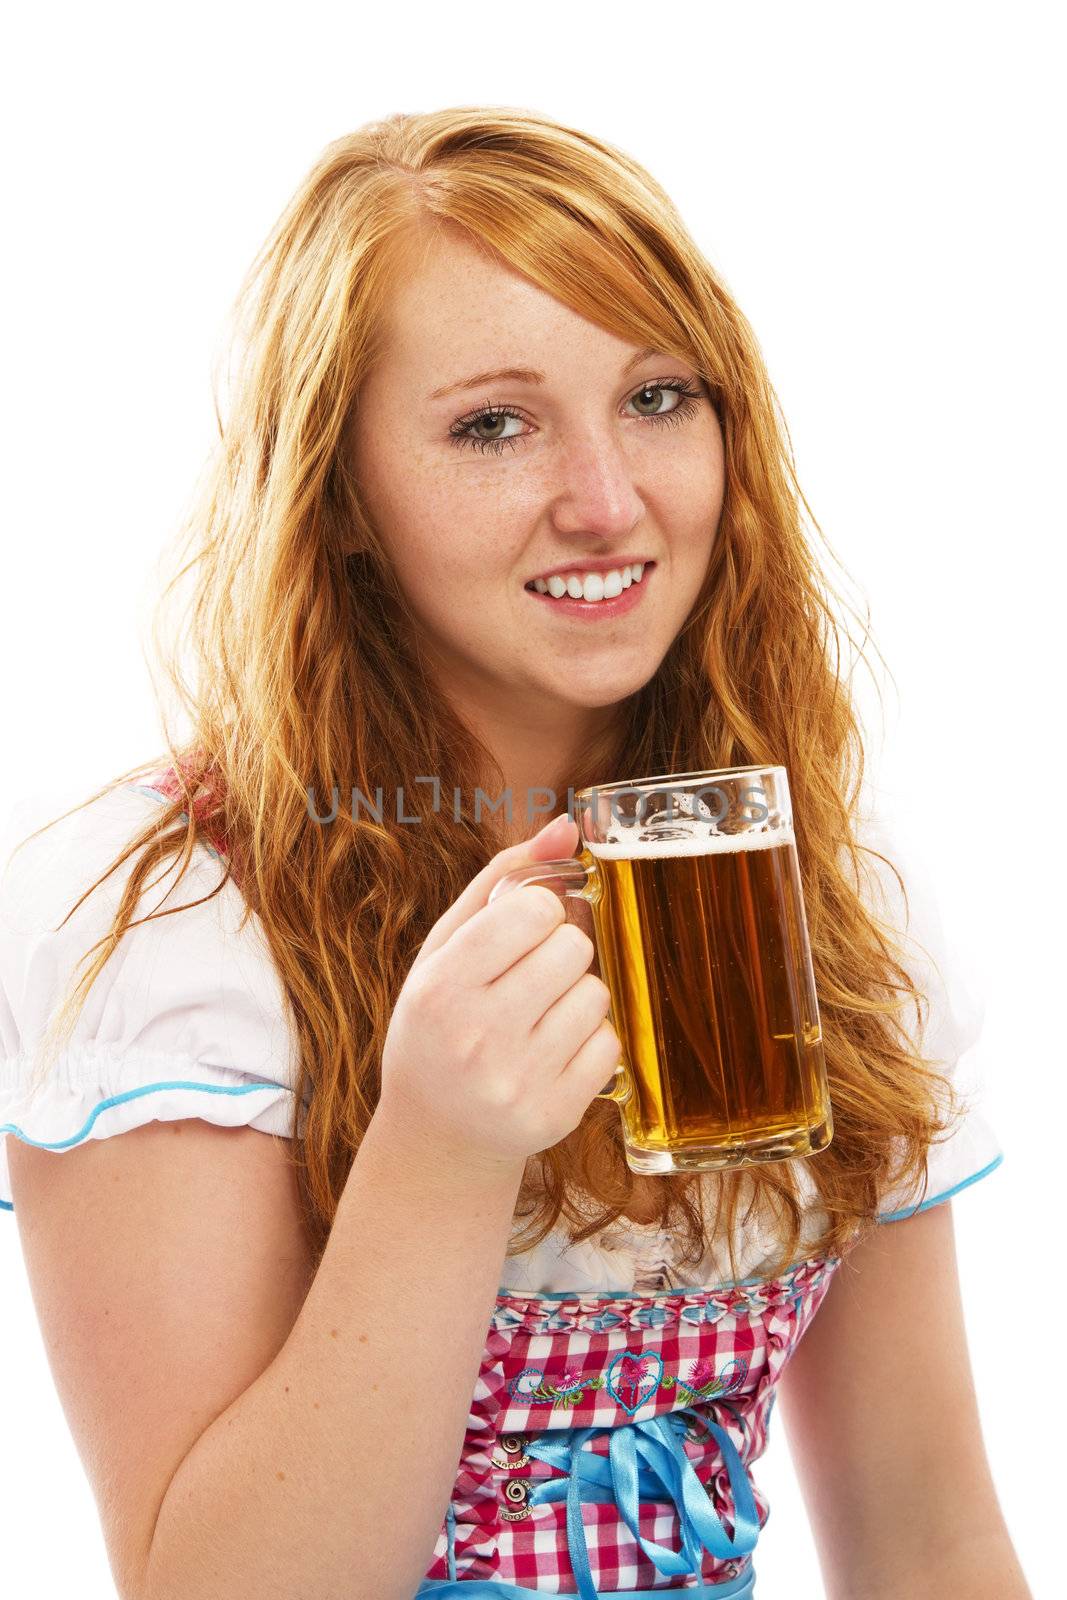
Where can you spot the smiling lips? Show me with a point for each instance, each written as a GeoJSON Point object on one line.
{"type": "Point", "coordinates": [593, 596]}
{"type": "Point", "coordinates": [591, 586]}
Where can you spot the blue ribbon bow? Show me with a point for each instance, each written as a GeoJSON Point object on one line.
{"type": "Point", "coordinates": [646, 1461]}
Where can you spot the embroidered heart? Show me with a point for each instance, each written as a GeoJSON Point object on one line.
{"type": "Point", "coordinates": [632, 1381]}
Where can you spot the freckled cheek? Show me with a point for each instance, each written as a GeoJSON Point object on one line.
{"type": "Point", "coordinates": [443, 552]}
{"type": "Point", "coordinates": [436, 513]}
{"type": "Point", "coordinates": [482, 529]}
{"type": "Point", "coordinates": [687, 522]}
{"type": "Point", "coordinates": [395, 468]}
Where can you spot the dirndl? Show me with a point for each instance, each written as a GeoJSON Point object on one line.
{"type": "Point", "coordinates": [610, 1441]}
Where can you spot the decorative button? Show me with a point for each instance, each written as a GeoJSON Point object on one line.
{"type": "Point", "coordinates": [509, 1451]}
{"type": "Point", "coordinates": [516, 1493]}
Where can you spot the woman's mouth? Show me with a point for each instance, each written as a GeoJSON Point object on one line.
{"type": "Point", "coordinates": [593, 594]}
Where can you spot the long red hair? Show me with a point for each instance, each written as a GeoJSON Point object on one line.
{"type": "Point", "coordinates": [296, 627]}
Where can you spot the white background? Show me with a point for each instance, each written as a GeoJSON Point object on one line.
{"type": "Point", "coordinates": [879, 189]}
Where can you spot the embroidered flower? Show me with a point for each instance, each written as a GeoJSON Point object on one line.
{"type": "Point", "coordinates": [702, 1373]}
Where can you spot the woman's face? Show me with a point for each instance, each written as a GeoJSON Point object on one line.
{"type": "Point", "coordinates": [501, 437]}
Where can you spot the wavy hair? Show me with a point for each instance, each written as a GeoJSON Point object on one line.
{"type": "Point", "coordinates": [304, 677]}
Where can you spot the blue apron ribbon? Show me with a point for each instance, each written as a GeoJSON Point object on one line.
{"type": "Point", "coordinates": [740, 1588]}
{"type": "Point", "coordinates": [646, 1461]}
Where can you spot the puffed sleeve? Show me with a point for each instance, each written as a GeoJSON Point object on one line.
{"type": "Point", "coordinates": [188, 1017]}
{"type": "Point", "coordinates": [953, 1033]}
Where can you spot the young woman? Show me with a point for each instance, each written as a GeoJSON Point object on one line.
{"type": "Point", "coordinates": [432, 1335]}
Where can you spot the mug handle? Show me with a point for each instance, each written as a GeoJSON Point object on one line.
{"type": "Point", "coordinates": [580, 884]}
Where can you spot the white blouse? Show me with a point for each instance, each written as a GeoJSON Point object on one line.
{"type": "Point", "coordinates": [189, 1019]}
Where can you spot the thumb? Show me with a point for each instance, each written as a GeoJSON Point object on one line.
{"type": "Point", "coordinates": [555, 842]}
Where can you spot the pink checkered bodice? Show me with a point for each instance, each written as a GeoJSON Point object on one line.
{"type": "Point", "coordinates": [610, 1436]}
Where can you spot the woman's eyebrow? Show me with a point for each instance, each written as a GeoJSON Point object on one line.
{"type": "Point", "coordinates": [524, 375]}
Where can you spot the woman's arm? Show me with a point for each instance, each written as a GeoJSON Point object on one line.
{"type": "Point", "coordinates": [331, 1474]}
{"type": "Point", "coordinates": [882, 1421]}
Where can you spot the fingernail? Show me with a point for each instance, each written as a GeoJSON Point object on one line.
{"type": "Point", "coordinates": [552, 824]}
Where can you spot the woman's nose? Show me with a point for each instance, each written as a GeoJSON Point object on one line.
{"type": "Point", "coordinates": [594, 488]}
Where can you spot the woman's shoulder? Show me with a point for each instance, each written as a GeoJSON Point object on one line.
{"type": "Point", "coordinates": [66, 867]}
{"type": "Point", "coordinates": [899, 881]}
{"type": "Point", "coordinates": [54, 836]}
{"type": "Point", "coordinates": [188, 1015]}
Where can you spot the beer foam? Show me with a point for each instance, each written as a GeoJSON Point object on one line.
{"type": "Point", "coordinates": [697, 844]}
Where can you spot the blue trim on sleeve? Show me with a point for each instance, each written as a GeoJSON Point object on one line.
{"type": "Point", "coordinates": [946, 1194]}
{"type": "Point", "coordinates": [134, 1094]}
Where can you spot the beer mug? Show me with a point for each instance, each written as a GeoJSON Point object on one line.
{"type": "Point", "coordinates": [698, 919]}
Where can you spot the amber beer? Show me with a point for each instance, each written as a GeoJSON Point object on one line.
{"type": "Point", "coordinates": [698, 915]}
{"type": "Point", "coordinates": [703, 945]}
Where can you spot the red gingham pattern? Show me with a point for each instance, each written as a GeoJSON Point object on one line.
{"type": "Point", "coordinates": [555, 1362]}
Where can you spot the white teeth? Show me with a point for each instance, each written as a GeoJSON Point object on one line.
{"type": "Point", "coordinates": [593, 586]}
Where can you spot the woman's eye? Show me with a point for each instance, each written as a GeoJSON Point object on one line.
{"type": "Point", "coordinates": [652, 395]}
{"type": "Point", "coordinates": [487, 429]}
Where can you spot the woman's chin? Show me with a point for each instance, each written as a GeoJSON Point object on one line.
{"type": "Point", "coordinates": [593, 694]}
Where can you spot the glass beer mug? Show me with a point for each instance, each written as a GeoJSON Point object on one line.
{"type": "Point", "coordinates": [698, 918]}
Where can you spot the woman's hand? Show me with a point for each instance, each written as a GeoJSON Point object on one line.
{"type": "Point", "coordinates": [499, 1038]}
